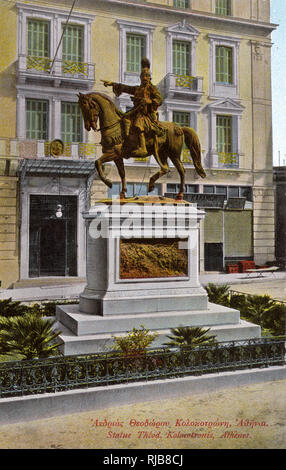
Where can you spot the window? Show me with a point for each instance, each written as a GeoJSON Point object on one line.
{"type": "Point", "coordinates": [71, 123]}
{"type": "Point", "coordinates": [223, 7]}
{"type": "Point", "coordinates": [224, 134]}
{"type": "Point", "coordinates": [209, 189]}
{"type": "Point", "coordinates": [224, 69]}
{"type": "Point", "coordinates": [133, 189]}
{"type": "Point", "coordinates": [38, 38]}
{"type": "Point", "coordinates": [181, 118]}
{"type": "Point", "coordinates": [135, 42]}
{"type": "Point", "coordinates": [223, 64]}
{"type": "Point", "coordinates": [181, 58]}
{"type": "Point", "coordinates": [221, 190]}
{"type": "Point", "coordinates": [233, 191]}
{"type": "Point", "coordinates": [181, 3]}
{"type": "Point", "coordinates": [229, 191]}
{"type": "Point", "coordinates": [73, 43]}
{"type": "Point", "coordinates": [37, 119]}
{"type": "Point", "coordinates": [134, 52]}
{"type": "Point", "coordinates": [246, 191]}
{"type": "Point", "coordinates": [189, 188]}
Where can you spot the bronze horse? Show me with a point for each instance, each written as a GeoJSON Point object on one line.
{"type": "Point", "coordinates": [97, 106]}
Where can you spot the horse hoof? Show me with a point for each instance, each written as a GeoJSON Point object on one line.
{"type": "Point", "coordinates": [122, 195]}
{"type": "Point", "coordinates": [179, 197]}
{"type": "Point", "coordinates": [151, 188]}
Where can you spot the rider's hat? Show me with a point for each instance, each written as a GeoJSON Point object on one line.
{"type": "Point", "coordinates": [145, 67]}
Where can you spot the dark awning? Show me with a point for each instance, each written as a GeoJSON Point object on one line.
{"type": "Point", "coordinates": [56, 167]}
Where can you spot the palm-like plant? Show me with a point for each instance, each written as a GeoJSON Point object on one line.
{"type": "Point", "coordinates": [190, 337]}
{"type": "Point", "coordinates": [12, 308]}
{"type": "Point", "coordinates": [29, 336]}
{"type": "Point", "coordinates": [259, 307]}
{"type": "Point", "coordinates": [218, 294]}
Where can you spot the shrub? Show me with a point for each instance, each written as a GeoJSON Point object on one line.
{"type": "Point", "coordinates": [30, 336]}
{"type": "Point", "coordinates": [135, 342]}
{"type": "Point", "coordinates": [275, 320]}
{"type": "Point", "coordinates": [10, 308]}
{"type": "Point", "coordinates": [258, 307]}
{"type": "Point", "coordinates": [218, 294]}
{"type": "Point", "coordinates": [190, 337]}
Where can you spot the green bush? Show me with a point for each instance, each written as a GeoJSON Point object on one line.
{"type": "Point", "coordinates": [135, 342]}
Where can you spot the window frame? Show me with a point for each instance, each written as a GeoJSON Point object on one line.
{"type": "Point", "coordinates": [46, 130]}
{"type": "Point", "coordinates": [221, 89]}
{"type": "Point", "coordinates": [80, 131]}
{"type": "Point", "coordinates": [230, 108]}
{"type": "Point", "coordinates": [224, 65]}
{"type": "Point", "coordinates": [133, 27]}
{"type": "Point", "coordinates": [186, 33]}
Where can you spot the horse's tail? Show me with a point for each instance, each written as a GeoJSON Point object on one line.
{"type": "Point", "coordinates": [193, 144]}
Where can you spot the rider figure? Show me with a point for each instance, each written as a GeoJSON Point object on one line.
{"type": "Point", "coordinates": [142, 119]}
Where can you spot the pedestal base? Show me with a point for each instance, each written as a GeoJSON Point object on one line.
{"type": "Point", "coordinates": [85, 334]}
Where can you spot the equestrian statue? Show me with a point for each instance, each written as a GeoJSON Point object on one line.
{"type": "Point", "coordinates": [138, 133]}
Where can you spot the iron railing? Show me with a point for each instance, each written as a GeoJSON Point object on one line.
{"type": "Point", "coordinates": [63, 373]}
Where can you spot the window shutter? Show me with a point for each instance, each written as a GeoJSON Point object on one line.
{"type": "Point", "coordinates": [134, 52]}
{"type": "Point", "coordinates": [38, 38]}
{"type": "Point", "coordinates": [181, 58]}
{"type": "Point", "coordinates": [71, 123]}
{"type": "Point", "coordinates": [36, 119]}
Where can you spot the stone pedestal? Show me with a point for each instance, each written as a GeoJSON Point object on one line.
{"type": "Point", "coordinates": [142, 269]}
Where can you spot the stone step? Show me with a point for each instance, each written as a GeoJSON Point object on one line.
{"type": "Point", "coordinates": [85, 324]}
{"type": "Point", "coordinates": [90, 344]}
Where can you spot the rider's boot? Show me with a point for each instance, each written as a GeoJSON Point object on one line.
{"type": "Point", "coordinates": [126, 127]}
{"type": "Point", "coordinates": [141, 151]}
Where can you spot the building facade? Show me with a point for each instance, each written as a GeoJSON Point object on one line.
{"type": "Point", "coordinates": [280, 214]}
{"type": "Point", "coordinates": [211, 60]}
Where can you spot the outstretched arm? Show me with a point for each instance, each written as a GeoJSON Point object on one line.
{"type": "Point", "coordinates": [119, 88]}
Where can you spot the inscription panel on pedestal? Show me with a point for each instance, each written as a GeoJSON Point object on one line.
{"type": "Point", "coordinates": [152, 258]}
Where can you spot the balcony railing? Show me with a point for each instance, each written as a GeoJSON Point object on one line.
{"type": "Point", "coordinates": [36, 67]}
{"type": "Point", "coordinates": [228, 160]}
{"type": "Point", "coordinates": [32, 149]}
{"type": "Point", "coordinates": [185, 85]}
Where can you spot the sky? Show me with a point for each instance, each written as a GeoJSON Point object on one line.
{"type": "Point", "coordinates": [278, 16]}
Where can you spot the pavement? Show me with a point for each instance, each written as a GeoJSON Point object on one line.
{"type": "Point", "coordinates": [271, 284]}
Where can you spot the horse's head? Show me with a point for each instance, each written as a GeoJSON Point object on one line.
{"type": "Point", "coordinates": [90, 110]}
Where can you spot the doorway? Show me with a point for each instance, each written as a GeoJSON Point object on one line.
{"type": "Point", "coordinates": [214, 257]}
{"type": "Point", "coordinates": [53, 236]}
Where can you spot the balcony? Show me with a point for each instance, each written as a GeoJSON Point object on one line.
{"type": "Point", "coordinates": [183, 86]}
{"type": "Point", "coordinates": [41, 149]}
{"type": "Point", "coordinates": [62, 72]}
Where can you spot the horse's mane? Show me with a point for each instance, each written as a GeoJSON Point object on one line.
{"type": "Point", "coordinates": [107, 98]}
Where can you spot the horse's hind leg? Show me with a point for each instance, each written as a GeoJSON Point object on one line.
{"type": "Point", "coordinates": [121, 170]}
{"type": "Point", "coordinates": [181, 170]}
{"type": "Point", "coordinates": [164, 169]}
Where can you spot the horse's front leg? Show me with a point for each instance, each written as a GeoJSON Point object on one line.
{"type": "Point", "coordinates": [106, 157]}
{"type": "Point", "coordinates": [121, 170]}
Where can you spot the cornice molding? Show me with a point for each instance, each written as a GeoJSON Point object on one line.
{"type": "Point", "coordinates": [192, 14]}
